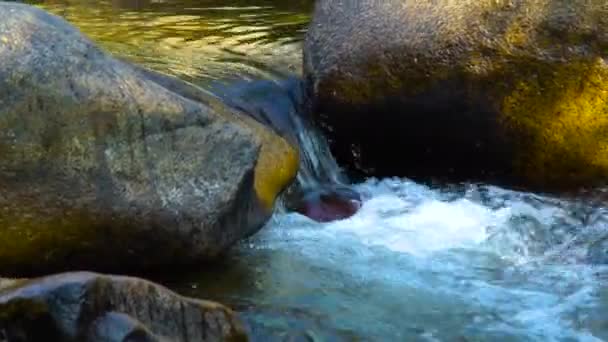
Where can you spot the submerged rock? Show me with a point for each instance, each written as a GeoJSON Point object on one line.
{"type": "Point", "coordinates": [327, 204]}
{"type": "Point", "coordinates": [108, 167]}
{"type": "Point", "coordinates": [509, 91]}
{"type": "Point", "coordinates": [92, 307]}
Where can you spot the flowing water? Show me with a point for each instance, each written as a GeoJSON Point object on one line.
{"type": "Point", "coordinates": [463, 262]}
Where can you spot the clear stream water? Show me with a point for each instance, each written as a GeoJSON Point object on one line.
{"type": "Point", "coordinates": [464, 262]}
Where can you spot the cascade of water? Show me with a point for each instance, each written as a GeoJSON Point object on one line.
{"type": "Point", "coordinates": [278, 103]}
{"type": "Point", "coordinates": [321, 190]}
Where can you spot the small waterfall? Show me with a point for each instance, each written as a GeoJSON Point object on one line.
{"type": "Point", "coordinates": [277, 103]}
{"type": "Point", "coordinates": [318, 168]}
{"type": "Point", "coordinates": [317, 165]}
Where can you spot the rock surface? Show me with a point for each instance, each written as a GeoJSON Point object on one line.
{"type": "Point", "coordinates": [511, 91]}
{"type": "Point", "coordinates": [109, 167]}
{"type": "Point", "coordinates": [92, 307]}
{"type": "Point", "coordinates": [326, 204]}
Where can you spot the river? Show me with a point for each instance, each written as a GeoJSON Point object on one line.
{"type": "Point", "coordinates": [460, 262]}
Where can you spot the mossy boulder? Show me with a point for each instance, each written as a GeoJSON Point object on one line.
{"type": "Point", "coordinates": [93, 307]}
{"type": "Point", "coordinates": [510, 91]}
{"type": "Point", "coordinates": [109, 167]}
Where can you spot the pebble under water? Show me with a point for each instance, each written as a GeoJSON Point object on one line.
{"type": "Point", "coordinates": [415, 263]}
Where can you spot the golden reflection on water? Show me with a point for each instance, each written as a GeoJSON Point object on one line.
{"type": "Point", "coordinates": [195, 39]}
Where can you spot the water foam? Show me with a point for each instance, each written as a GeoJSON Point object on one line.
{"type": "Point", "coordinates": [423, 263]}
{"type": "Point", "coordinates": [432, 225]}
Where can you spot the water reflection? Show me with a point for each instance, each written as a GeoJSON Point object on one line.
{"type": "Point", "coordinates": [195, 40]}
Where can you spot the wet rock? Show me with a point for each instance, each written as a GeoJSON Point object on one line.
{"type": "Point", "coordinates": [83, 306]}
{"type": "Point", "coordinates": [278, 104]}
{"type": "Point", "coordinates": [109, 167]}
{"type": "Point", "coordinates": [508, 91]}
{"type": "Point", "coordinates": [327, 204]}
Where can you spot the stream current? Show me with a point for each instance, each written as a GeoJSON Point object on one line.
{"type": "Point", "coordinates": [461, 262]}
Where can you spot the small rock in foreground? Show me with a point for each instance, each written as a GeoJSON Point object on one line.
{"type": "Point", "coordinates": [84, 306]}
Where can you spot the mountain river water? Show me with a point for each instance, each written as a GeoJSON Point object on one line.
{"type": "Point", "coordinates": [461, 262]}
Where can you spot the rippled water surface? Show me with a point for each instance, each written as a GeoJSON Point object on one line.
{"type": "Point", "coordinates": [198, 40]}
{"type": "Point", "coordinates": [417, 263]}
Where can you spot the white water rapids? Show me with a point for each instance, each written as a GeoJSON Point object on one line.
{"type": "Point", "coordinates": [470, 263]}
{"type": "Point", "coordinates": [416, 263]}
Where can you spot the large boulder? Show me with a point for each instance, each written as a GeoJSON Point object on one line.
{"type": "Point", "coordinates": [92, 307]}
{"type": "Point", "coordinates": [109, 167]}
{"type": "Point", "coordinates": [510, 91]}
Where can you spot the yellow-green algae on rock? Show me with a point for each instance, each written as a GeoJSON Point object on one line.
{"type": "Point", "coordinates": [512, 88]}
{"type": "Point", "coordinates": [277, 163]}
{"type": "Point", "coordinates": [560, 114]}
{"type": "Point", "coordinates": [276, 168]}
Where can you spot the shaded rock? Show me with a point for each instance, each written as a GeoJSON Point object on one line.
{"type": "Point", "coordinates": [83, 306]}
{"type": "Point", "coordinates": [508, 91]}
{"type": "Point", "coordinates": [108, 167]}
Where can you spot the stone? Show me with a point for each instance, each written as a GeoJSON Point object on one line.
{"type": "Point", "coordinates": [108, 167]}
{"type": "Point", "coordinates": [327, 203]}
{"type": "Point", "coordinates": [507, 91]}
{"type": "Point", "coordinates": [93, 307]}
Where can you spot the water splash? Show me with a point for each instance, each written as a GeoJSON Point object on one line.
{"type": "Point", "coordinates": [419, 263]}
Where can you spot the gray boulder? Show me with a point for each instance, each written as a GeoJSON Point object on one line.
{"type": "Point", "coordinates": [506, 91]}
{"type": "Point", "coordinates": [92, 307]}
{"type": "Point", "coordinates": [108, 167]}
